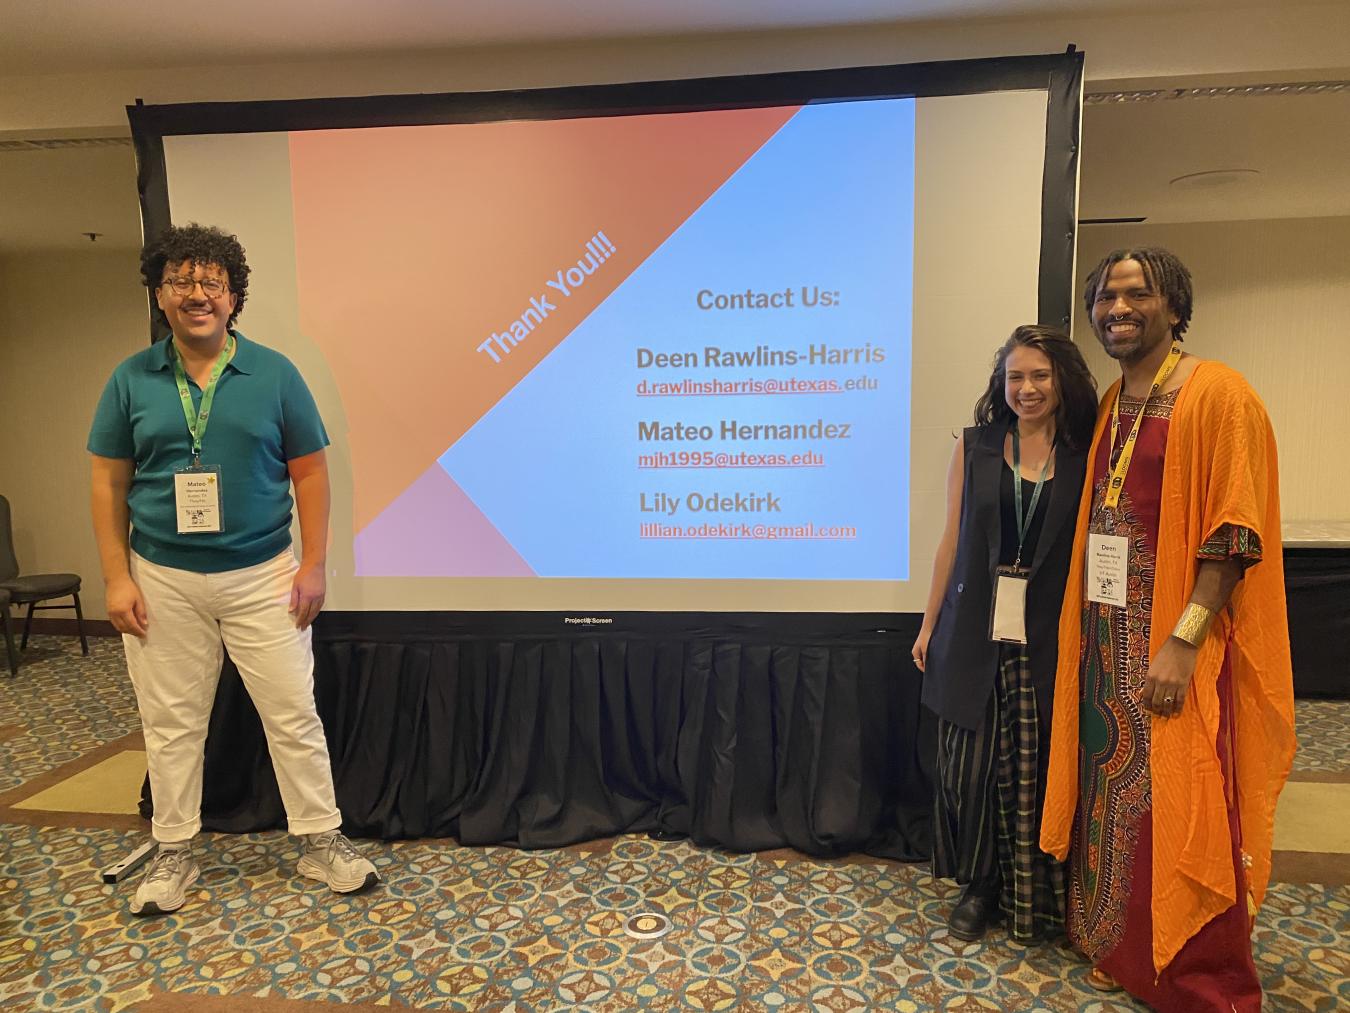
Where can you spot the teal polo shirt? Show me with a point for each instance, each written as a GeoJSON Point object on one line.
{"type": "Point", "coordinates": [262, 417]}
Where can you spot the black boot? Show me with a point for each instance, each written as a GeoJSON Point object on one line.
{"type": "Point", "coordinates": [977, 907]}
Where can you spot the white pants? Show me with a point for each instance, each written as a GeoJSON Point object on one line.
{"type": "Point", "coordinates": [175, 668]}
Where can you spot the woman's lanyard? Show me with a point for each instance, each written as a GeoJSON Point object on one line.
{"type": "Point", "coordinates": [1117, 484]}
{"type": "Point", "coordinates": [1024, 524]}
{"type": "Point", "coordinates": [196, 421]}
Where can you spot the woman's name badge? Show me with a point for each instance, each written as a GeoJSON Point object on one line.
{"type": "Point", "coordinates": [1008, 618]}
{"type": "Point", "coordinates": [196, 497]}
{"type": "Point", "coordinates": [1107, 569]}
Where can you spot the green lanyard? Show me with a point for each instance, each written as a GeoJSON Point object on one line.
{"type": "Point", "coordinates": [196, 421]}
{"type": "Point", "coordinates": [1023, 526]}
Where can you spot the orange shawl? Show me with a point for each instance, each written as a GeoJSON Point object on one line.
{"type": "Point", "coordinates": [1220, 468]}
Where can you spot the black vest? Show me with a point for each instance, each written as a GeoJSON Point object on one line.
{"type": "Point", "coordinates": [962, 659]}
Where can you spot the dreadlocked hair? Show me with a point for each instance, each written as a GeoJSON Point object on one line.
{"type": "Point", "coordinates": [1164, 271]}
{"type": "Point", "coordinates": [195, 245]}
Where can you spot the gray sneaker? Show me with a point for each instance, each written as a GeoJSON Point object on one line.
{"type": "Point", "coordinates": [334, 860]}
{"type": "Point", "coordinates": [165, 884]}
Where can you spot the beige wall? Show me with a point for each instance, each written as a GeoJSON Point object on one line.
{"type": "Point", "coordinates": [1269, 301]}
{"type": "Point", "coordinates": [65, 321]}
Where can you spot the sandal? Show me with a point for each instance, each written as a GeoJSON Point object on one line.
{"type": "Point", "coordinates": [1102, 982]}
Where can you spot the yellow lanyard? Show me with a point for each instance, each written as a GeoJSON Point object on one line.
{"type": "Point", "coordinates": [1117, 485]}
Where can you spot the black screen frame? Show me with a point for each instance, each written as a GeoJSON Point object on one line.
{"type": "Point", "coordinates": [1060, 75]}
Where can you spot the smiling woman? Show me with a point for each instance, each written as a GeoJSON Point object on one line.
{"type": "Point", "coordinates": [988, 644]}
{"type": "Point", "coordinates": [1029, 387]}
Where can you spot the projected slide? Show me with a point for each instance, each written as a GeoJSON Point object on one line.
{"type": "Point", "coordinates": [666, 346]}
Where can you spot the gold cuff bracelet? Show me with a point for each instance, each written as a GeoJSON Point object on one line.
{"type": "Point", "coordinates": [1193, 624]}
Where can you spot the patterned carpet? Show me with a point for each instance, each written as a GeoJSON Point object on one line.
{"type": "Point", "coordinates": [499, 929]}
{"type": "Point", "coordinates": [62, 705]}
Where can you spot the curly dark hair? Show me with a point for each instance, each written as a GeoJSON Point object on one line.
{"type": "Point", "coordinates": [195, 244]}
{"type": "Point", "coordinates": [1074, 384]}
{"type": "Point", "coordinates": [1164, 271]}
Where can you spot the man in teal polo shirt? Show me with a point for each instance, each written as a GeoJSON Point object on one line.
{"type": "Point", "coordinates": [197, 443]}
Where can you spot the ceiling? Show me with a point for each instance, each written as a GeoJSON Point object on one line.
{"type": "Point", "coordinates": [1297, 143]}
{"type": "Point", "coordinates": [59, 36]}
{"type": "Point", "coordinates": [50, 197]}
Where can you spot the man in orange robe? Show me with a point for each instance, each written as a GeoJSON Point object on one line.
{"type": "Point", "coordinates": [1173, 728]}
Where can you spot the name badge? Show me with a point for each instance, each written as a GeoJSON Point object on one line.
{"type": "Point", "coordinates": [1008, 617]}
{"type": "Point", "coordinates": [196, 497]}
{"type": "Point", "coordinates": [1107, 568]}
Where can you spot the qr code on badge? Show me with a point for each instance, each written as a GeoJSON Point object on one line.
{"type": "Point", "coordinates": [1106, 587]}
{"type": "Point", "coordinates": [197, 515]}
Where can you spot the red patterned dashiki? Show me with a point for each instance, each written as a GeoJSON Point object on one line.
{"type": "Point", "coordinates": [1108, 911]}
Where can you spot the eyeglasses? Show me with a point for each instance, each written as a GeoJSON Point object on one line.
{"type": "Point", "coordinates": [212, 288]}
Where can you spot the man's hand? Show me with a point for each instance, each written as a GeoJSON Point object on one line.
{"type": "Point", "coordinates": [309, 477]}
{"type": "Point", "coordinates": [126, 607]}
{"type": "Point", "coordinates": [1169, 678]}
{"type": "Point", "coordinates": [307, 594]}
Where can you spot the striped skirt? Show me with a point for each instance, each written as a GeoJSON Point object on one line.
{"type": "Point", "coordinates": [991, 787]}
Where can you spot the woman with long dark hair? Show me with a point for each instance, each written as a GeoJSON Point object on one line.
{"type": "Point", "coordinates": [988, 643]}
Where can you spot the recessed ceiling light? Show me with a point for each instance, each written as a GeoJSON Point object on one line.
{"type": "Point", "coordinates": [1212, 178]}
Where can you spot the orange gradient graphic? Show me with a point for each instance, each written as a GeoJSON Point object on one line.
{"type": "Point", "coordinates": [415, 244]}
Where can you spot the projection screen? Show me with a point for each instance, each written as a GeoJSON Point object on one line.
{"type": "Point", "coordinates": [681, 346]}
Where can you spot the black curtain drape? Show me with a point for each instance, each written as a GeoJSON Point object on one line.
{"type": "Point", "coordinates": [748, 735]}
{"type": "Point", "coordinates": [1317, 590]}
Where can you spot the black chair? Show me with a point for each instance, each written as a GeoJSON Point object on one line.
{"type": "Point", "coordinates": [34, 588]}
{"type": "Point", "coordinates": [10, 653]}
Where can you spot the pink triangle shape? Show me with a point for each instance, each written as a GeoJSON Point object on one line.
{"type": "Point", "coordinates": [434, 530]}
